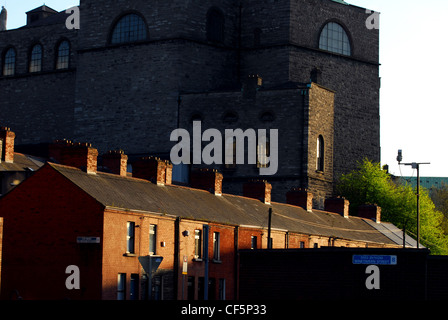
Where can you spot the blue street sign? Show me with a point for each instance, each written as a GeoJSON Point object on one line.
{"type": "Point", "coordinates": [375, 259]}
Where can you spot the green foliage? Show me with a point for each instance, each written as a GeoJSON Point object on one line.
{"type": "Point", "coordinates": [370, 184]}
{"type": "Point", "coordinates": [439, 196]}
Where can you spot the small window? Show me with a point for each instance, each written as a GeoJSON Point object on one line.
{"type": "Point", "coordinates": [130, 238]}
{"type": "Point", "coordinates": [197, 244]}
{"type": "Point", "coordinates": [152, 239]}
{"type": "Point", "coordinates": [267, 116]}
{"type": "Point", "coordinates": [216, 246]}
{"type": "Point", "coordinates": [36, 59]}
{"type": "Point", "coordinates": [121, 286]}
{"type": "Point", "coordinates": [320, 154]}
{"type": "Point", "coordinates": [9, 64]}
{"type": "Point", "coordinates": [230, 117]}
{"type": "Point", "coordinates": [130, 28]}
{"type": "Point", "coordinates": [222, 289]}
{"type": "Point", "coordinates": [215, 25]}
{"type": "Point", "coordinates": [333, 38]}
{"type": "Point", "coordinates": [63, 58]}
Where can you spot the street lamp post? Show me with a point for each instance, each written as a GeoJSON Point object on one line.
{"type": "Point", "coordinates": [415, 165]}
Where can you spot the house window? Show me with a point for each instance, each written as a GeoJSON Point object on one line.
{"type": "Point", "coordinates": [216, 245]}
{"type": "Point", "coordinates": [333, 38]}
{"type": "Point", "coordinates": [222, 289]}
{"type": "Point", "coordinates": [9, 64]}
{"type": "Point", "coordinates": [197, 244]}
{"type": "Point", "coordinates": [63, 59]}
{"type": "Point", "coordinates": [302, 244]}
{"type": "Point", "coordinates": [130, 238]}
{"type": "Point", "coordinates": [133, 290]}
{"type": "Point", "coordinates": [253, 242]}
{"type": "Point", "coordinates": [215, 25]}
{"type": "Point", "coordinates": [152, 239]}
{"type": "Point", "coordinates": [36, 59]}
{"type": "Point", "coordinates": [130, 28]}
{"type": "Point", "coordinates": [121, 286]}
{"type": "Point", "coordinates": [320, 154]}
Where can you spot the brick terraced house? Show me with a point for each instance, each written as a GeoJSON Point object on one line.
{"type": "Point", "coordinates": [137, 70]}
{"type": "Point", "coordinates": [48, 217]}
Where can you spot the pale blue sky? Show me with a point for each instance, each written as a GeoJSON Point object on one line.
{"type": "Point", "coordinates": [413, 66]}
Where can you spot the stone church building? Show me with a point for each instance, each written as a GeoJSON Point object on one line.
{"type": "Point", "coordinates": [135, 71]}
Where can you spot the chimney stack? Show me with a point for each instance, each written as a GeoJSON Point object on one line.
{"type": "Point", "coordinates": [258, 189]}
{"type": "Point", "coordinates": [153, 169]}
{"type": "Point", "coordinates": [338, 205]}
{"type": "Point", "coordinates": [3, 19]}
{"type": "Point", "coordinates": [370, 211]}
{"type": "Point", "coordinates": [7, 139]}
{"type": "Point", "coordinates": [79, 155]}
{"type": "Point", "coordinates": [251, 85]}
{"type": "Point", "coordinates": [207, 179]}
{"type": "Point", "coordinates": [301, 198]}
{"type": "Point", "coordinates": [116, 161]}
{"type": "Point", "coordinates": [55, 149]}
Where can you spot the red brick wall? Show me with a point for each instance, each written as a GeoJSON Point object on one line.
{"type": "Point", "coordinates": [115, 259]}
{"type": "Point", "coordinates": [42, 220]}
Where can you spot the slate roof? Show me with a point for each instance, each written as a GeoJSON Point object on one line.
{"type": "Point", "coordinates": [135, 194]}
{"type": "Point", "coordinates": [22, 162]}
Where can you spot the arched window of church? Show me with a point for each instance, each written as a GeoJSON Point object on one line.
{"type": "Point", "coordinates": [215, 25]}
{"type": "Point", "coordinates": [36, 59]}
{"type": "Point", "coordinates": [130, 28]}
{"type": "Point", "coordinates": [63, 58]}
{"type": "Point", "coordinates": [320, 154]}
{"type": "Point", "coordinates": [333, 38]}
{"type": "Point", "coordinates": [9, 62]}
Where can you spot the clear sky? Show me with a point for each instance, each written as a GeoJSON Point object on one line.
{"type": "Point", "coordinates": [413, 68]}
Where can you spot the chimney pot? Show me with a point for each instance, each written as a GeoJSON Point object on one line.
{"type": "Point", "coordinates": [7, 137]}
{"type": "Point", "coordinates": [258, 189]}
{"type": "Point", "coordinates": [338, 205]}
{"type": "Point", "coordinates": [301, 198]}
{"type": "Point", "coordinates": [207, 179]}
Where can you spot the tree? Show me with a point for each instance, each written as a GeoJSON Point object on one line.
{"type": "Point", "coordinates": [370, 184]}
{"type": "Point", "coordinates": [439, 196]}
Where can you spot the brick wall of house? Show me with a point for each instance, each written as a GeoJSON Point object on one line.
{"type": "Point", "coordinates": [115, 258]}
{"type": "Point", "coordinates": [41, 223]}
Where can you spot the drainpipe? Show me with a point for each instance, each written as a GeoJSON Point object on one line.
{"type": "Point", "coordinates": [205, 230]}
